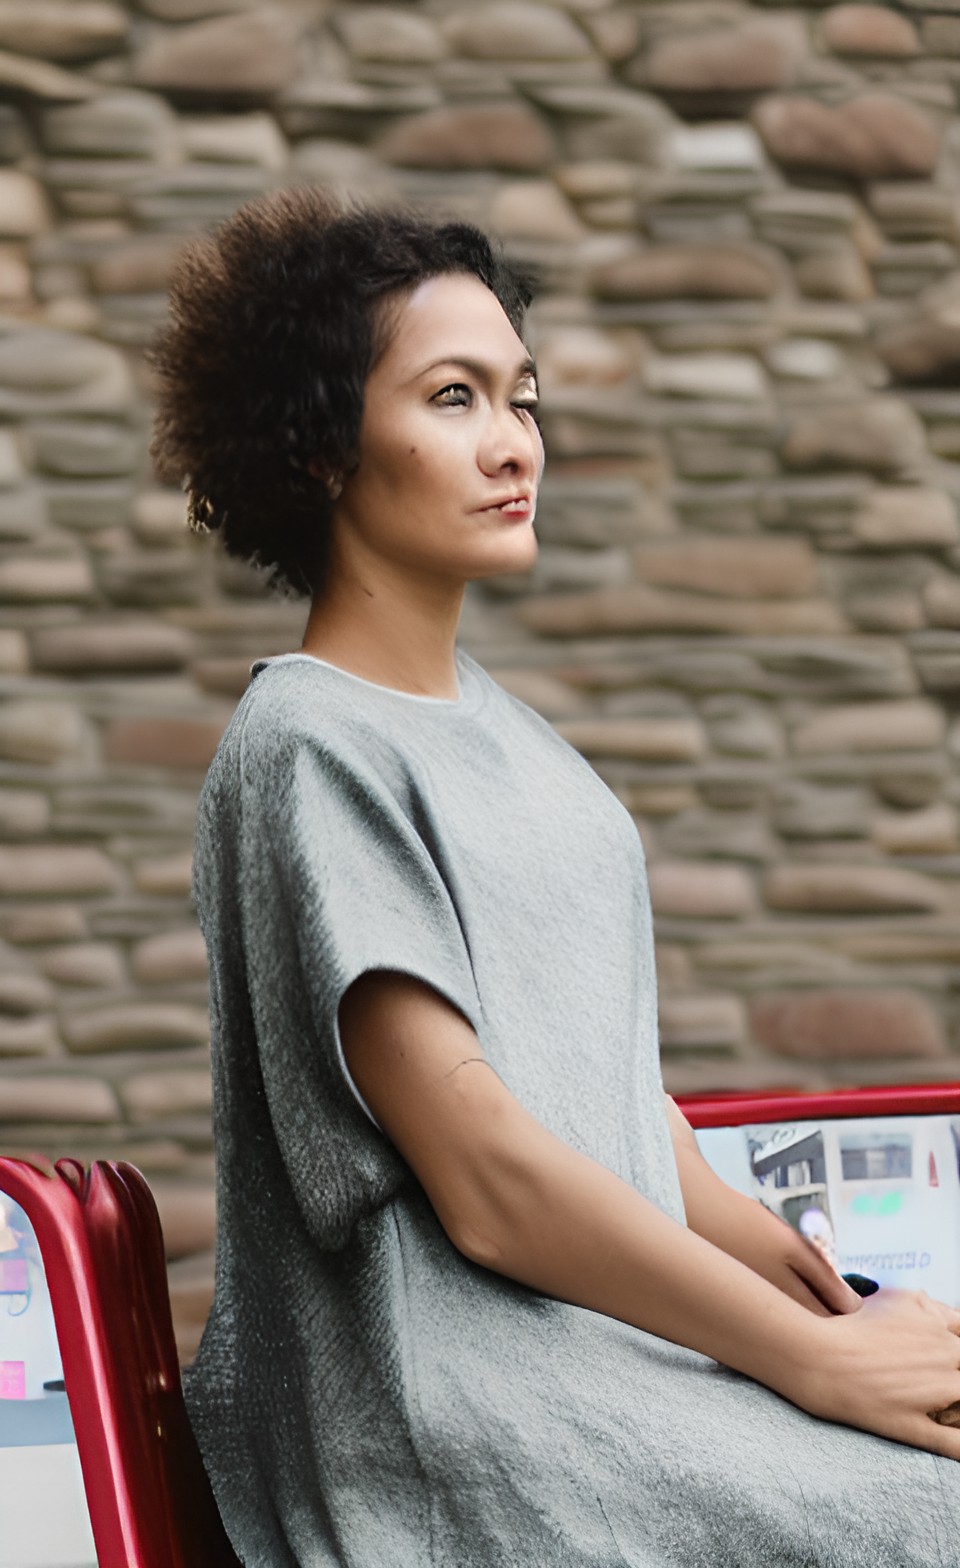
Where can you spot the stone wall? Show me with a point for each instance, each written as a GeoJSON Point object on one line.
{"type": "Point", "coordinates": [746, 608]}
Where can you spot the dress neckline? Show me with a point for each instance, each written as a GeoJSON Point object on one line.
{"type": "Point", "coordinates": [392, 691]}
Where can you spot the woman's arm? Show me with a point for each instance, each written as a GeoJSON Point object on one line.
{"type": "Point", "coordinates": [742, 1227]}
{"type": "Point", "coordinates": [518, 1200]}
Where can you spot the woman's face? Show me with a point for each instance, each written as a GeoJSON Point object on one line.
{"type": "Point", "coordinates": [450, 455]}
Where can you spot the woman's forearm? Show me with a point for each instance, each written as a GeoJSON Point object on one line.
{"type": "Point", "coordinates": [742, 1227]}
{"type": "Point", "coordinates": [565, 1225]}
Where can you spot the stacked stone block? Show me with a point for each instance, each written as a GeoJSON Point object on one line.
{"type": "Point", "coordinates": [746, 606]}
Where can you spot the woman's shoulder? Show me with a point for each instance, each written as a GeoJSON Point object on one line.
{"type": "Point", "coordinates": [296, 718]}
{"type": "Point", "coordinates": [293, 699]}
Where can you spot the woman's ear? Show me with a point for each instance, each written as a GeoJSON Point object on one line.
{"type": "Point", "coordinates": [332, 483]}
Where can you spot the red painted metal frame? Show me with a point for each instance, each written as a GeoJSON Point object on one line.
{"type": "Point", "coordinates": [736, 1109]}
{"type": "Point", "coordinates": [102, 1248]}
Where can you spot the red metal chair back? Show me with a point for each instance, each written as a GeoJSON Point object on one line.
{"type": "Point", "coordinates": [100, 1240]}
{"type": "Point", "coordinates": [731, 1109]}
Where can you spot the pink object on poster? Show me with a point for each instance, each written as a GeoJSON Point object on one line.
{"type": "Point", "coordinates": [13, 1380]}
{"type": "Point", "coordinates": [13, 1277]}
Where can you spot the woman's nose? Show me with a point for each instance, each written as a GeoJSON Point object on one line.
{"type": "Point", "coordinates": [510, 443]}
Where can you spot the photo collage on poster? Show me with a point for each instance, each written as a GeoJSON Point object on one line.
{"type": "Point", "coordinates": [878, 1196]}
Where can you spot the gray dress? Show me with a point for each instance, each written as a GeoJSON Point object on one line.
{"type": "Point", "coordinates": [364, 1395]}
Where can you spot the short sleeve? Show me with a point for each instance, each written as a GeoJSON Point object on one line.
{"type": "Point", "coordinates": [335, 881]}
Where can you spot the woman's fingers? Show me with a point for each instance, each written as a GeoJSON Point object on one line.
{"type": "Point", "coordinates": [823, 1280]}
{"type": "Point", "coordinates": [949, 1315]}
{"type": "Point", "coordinates": [894, 1368]}
{"type": "Point", "coordinates": [949, 1416]}
{"type": "Point", "coordinates": [945, 1438]}
{"type": "Point", "coordinates": [937, 1439]}
{"type": "Point", "coordinates": [941, 1310]}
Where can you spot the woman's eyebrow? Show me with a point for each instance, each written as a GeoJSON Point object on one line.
{"type": "Point", "coordinates": [483, 371]}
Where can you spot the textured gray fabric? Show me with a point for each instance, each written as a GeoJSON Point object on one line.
{"type": "Point", "coordinates": [363, 1394]}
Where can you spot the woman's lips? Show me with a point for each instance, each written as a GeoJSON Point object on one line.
{"type": "Point", "coordinates": [518, 506]}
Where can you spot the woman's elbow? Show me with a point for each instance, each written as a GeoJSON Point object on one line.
{"type": "Point", "coordinates": [478, 1160]}
{"type": "Point", "coordinates": [485, 1210]}
{"type": "Point", "coordinates": [480, 1243]}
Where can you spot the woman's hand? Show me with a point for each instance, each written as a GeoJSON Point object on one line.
{"type": "Point", "coordinates": [812, 1280]}
{"type": "Point", "coordinates": [744, 1229]}
{"type": "Point", "coordinates": [889, 1368]}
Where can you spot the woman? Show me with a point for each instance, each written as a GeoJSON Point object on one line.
{"type": "Point", "coordinates": [473, 1277]}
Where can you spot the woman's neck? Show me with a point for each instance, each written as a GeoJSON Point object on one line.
{"type": "Point", "coordinates": [395, 647]}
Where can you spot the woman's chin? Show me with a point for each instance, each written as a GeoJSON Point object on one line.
{"type": "Point", "coordinates": [513, 552]}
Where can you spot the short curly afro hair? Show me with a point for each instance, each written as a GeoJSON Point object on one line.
{"type": "Point", "coordinates": [276, 319]}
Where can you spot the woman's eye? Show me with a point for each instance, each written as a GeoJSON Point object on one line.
{"type": "Point", "coordinates": [530, 405]}
{"type": "Point", "coordinates": [454, 396]}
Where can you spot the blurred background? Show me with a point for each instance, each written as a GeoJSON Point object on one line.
{"type": "Point", "coordinates": [746, 607]}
